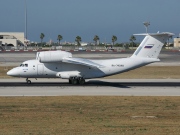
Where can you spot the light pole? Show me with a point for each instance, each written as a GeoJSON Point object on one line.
{"type": "Point", "coordinates": [146, 24]}
{"type": "Point", "coordinates": [25, 14]}
{"type": "Point", "coordinates": [25, 19]}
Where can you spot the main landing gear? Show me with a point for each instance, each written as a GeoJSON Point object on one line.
{"type": "Point", "coordinates": [28, 81]}
{"type": "Point", "coordinates": [76, 80]}
{"type": "Point", "coordinates": [72, 80]}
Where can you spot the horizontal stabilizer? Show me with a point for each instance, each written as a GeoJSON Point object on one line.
{"type": "Point", "coordinates": [155, 34]}
{"type": "Point", "coordinates": [81, 61]}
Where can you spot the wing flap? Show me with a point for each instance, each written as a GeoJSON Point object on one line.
{"type": "Point", "coordinates": [81, 61]}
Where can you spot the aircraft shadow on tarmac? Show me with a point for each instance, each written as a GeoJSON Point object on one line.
{"type": "Point", "coordinates": [92, 83]}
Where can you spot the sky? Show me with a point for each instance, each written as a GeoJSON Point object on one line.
{"type": "Point", "coordinates": [87, 18]}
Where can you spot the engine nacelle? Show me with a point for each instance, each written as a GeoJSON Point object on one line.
{"type": "Point", "coordinates": [52, 56]}
{"type": "Point", "coordinates": [67, 75]}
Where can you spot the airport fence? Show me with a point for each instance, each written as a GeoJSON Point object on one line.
{"type": "Point", "coordinates": [65, 48]}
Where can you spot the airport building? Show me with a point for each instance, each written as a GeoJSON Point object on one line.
{"type": "Point", "coordinates": [177, 42]}
{"type": "Point", "coordinates": [12, 38]}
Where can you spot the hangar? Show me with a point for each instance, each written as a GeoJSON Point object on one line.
{"type": "Point", "coordinates": [177, 42]}
{"type": "Point", "coordinates": [12, 38]}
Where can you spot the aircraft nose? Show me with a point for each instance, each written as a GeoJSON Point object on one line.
{"type": "Point", "coordinates": [12, 72]}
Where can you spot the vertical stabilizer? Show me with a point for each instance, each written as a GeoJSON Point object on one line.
{"type": "Point", "coordinates": [152, 44]}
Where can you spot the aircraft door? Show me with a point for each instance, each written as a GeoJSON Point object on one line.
{"type": "Point", "coordinates": [40, 70]}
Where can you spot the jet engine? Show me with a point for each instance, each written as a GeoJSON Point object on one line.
{"type": "Point", "coordinates": [52, 56]}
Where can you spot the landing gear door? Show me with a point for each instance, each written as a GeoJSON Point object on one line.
{"type": "Point", "coordinates": [40, 70]}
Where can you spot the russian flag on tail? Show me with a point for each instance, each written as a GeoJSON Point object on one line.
{"type": "Point", "coordinates": [149, 46]}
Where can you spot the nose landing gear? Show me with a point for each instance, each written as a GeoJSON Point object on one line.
{"type": "Point", "coordinates": [28, 81]}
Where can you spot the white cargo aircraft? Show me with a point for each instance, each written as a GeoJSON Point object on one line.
{"type": "Point", "coordinates": [61, 64]}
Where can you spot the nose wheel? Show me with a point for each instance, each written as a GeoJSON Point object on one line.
{"type": "Point", "coordinates": [28, 81]}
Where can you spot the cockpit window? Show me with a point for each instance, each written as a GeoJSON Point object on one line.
{"type": "Point", "coordinates": [24, 65]}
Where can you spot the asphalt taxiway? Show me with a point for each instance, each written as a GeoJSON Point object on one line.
{"type": "Point", "coordinates": [94, 87]}
{"type": "Point", "coordinates": [99, 87]}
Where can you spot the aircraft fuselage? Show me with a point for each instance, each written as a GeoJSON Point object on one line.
{"type": "Point", "coordinates": [35, 69]}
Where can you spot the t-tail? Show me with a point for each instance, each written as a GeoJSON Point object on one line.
{"type": "Point", "coordinates": [152, 44]}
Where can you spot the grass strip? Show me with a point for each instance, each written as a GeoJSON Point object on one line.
{"type": "Point", "coordinates": [90, 115]}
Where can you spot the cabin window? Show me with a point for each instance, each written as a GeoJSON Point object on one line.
{"type": "Point", "coordinates": [26, 65]}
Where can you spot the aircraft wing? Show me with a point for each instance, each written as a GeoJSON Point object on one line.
{"type": "Point", "coordinates": [81, 61]}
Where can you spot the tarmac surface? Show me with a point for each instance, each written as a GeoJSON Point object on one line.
{"type": "Point", "coordinates": [93, 87]}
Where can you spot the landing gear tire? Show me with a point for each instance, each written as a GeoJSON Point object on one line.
{"type": "Point", "coordinates": [76, 80]}
{"type": "Point", "coordinates": [70, 81]}
{"type": "Point", "coordinates": [28, 81]}
{"type": "Point", "coordinates": [81, 80]}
